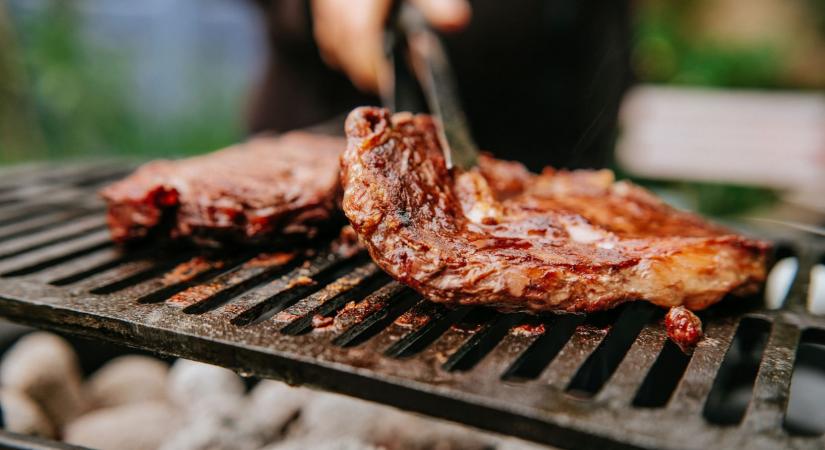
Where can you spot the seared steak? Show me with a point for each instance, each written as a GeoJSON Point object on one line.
{"type": "Point", "coordinates": [501, 236]}
{"type": "Point", "coordinates": [258, 191]}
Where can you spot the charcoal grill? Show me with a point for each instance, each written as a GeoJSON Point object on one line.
{"type": "Point", "coordinates": [610, 380]}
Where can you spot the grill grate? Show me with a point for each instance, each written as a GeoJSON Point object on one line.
{"type": "Point", "coordinates": [610, 379]}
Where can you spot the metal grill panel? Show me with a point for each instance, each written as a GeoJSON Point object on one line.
{"type": "Point", "coordinates": [348, 328]}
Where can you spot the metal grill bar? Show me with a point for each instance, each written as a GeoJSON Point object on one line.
{"type": "Point", "coordinates": [773, 381]}
{"type": "Point", "coordinates": [341, 324]}
{"type": "Point", "coordinates": [52, 236]}
{"type": "Point", "coordinates": [33, 260]}
{"type": "Point", "coordinates": [81, 268]}
{"type": "Point", "coordinates": [514, 342]}
{"type": "Point", "coordinates": [204, 297]}
{"type": "Point", "coordinates": [299, 318]}
{"type": "Point", "coordinates": [290, 288]}
{"type": "Point", "coordinates": [697, 380]}
{"type": "Point", "coordinates": [625, 382]}
{"type": "Point", "coordinates": [38, 223]}
{"type": "Point", "coordinates": [565, 365]}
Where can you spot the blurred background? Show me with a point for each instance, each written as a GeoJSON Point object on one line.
{"type": "Point", "coordinates": [149, 78]}
{"type": "Point", "coordinates": [728, 97]}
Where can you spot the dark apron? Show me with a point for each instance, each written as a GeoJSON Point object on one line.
{"type": "Point", "coordinates": [540, 81]}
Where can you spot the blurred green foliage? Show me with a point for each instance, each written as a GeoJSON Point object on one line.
{"type": "Point", "coordinates": [664, 53]}
{"type": "Point", "coordinates": [714, 199]}
{"type": "Point", "coordinates": [81, 97]}
{"type": "Point", "coordinates": [728, 200]}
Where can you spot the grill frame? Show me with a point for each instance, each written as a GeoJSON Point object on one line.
{"type": "Point", "coordinates": [537, 409]}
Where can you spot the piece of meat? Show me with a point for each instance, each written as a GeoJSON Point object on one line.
{"type": "Point", "coordinates": [257, 191]}
{"type": "Point", "coordinates": [500, 236]}
{"type": "Point", "coordinates": [683, 328]}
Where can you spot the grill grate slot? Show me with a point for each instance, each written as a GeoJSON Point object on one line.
{"type": "Point", "coordinates": [61, 174]}
{"type": "Point", "coordinates": [601, 364]}
{"type": "Point", "coordinates": [118, 270]}
{"type": "Point", "coordinates": [96, 264]}
{"type": "Point", "coordinates": [61, 199]}
{"type": "Point", "coordinates": [534, 360]}
{"type": "Point", "coordinates": [797, 295]}
{"type": "Point", "coordinates": [816, 288]}
{"type": "Point", "coordinates": [204, 297]}
{"type": "Point", "coordinates": [40, 223]}
{"type": "Point", "coordinates": [451, 341]}
{"type": "Point", "coordinates": [369, 316]}
{"type": "Point", "coordinates": [575, 352]}
{"type": "Point", "coordinates": [804, 415]}
{"type": "Point", "coordinates": [129, 275]}
{"type": "Point", "coordinates": [9, 198]}
{"type": "Point", "coordinates": [482, 342]}
{"type": "Point", "coordinates": [661, 380]}
{"type": "Point", "coordinates": [696, 383]}
{"type": "Point", "coordinates": [430, 320]}
{"type": "Point", "coordinates": [29, 191]}
{"type": "Point", "coordinates": [319, 274]}
{"type": "Point", "coordinates": [771, 388]}
{"type": "Point", "coordinates": [361, 282]}
{"type": "Point", "coordinates": [47, 194]}
{"type": "Point", "coordinates": [733, 384]}
{"type": "Point", "coordinates": [13, 216]}
{"type": "Point", "coordinates": [48, 238]}
{"type": "Point", "coordinates": [43, 258]}
{"type": "Point", "coordinates": [81, 268]}
{"type": "Point", "coordinates": [621, 387]}
{"type": "Point", "coordinates": [515, 341]}
{"type": "Point", "coordinates": [184, 277]}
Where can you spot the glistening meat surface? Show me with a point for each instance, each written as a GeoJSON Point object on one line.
{"type": "Point", "coordinates": [266, 189]}
{"type": "Point", "coordinates": [501, 236]}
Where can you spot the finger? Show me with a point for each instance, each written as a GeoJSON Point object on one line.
{"type": "Point", "coordinates": [446, 15]}
{"type": "Point", "coordinates": [327, 49]}
{"type": "Point", "coordinates": [362, 56]}
{"type": "Point", "coordinates": [364, 63]}
{"type": "Point", "coordinates": [326, 31]}
{"type": "Point", "coordinates": [350, 38]}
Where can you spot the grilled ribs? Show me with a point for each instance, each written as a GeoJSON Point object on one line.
{"type": "Point", "coordinates": [262, 190]}
{"type": "Point", "coordinates": [500, 236]}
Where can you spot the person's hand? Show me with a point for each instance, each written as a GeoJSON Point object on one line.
{"type": "Point", "coordinates": [350, 33]}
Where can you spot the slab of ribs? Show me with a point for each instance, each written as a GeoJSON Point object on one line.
{"type": "Point", "coordinates": [500, 236]}
{"type": "Point", "coordinates": [264, 190]}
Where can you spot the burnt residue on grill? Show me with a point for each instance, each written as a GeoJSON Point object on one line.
{"type": "Point", "coordinates": [529, 329]}
{"type": "Point", "coordinates": [190, 269]}
{"type": "Point", "coordinates": [246, 274]}
{"type": "Point", "coordinates": [275, 259]}
{"type": "Point", "coordinates": [328, 317]}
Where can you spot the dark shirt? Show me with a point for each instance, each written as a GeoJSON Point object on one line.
{"type": "Point", "coordinates": [540, 81]}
